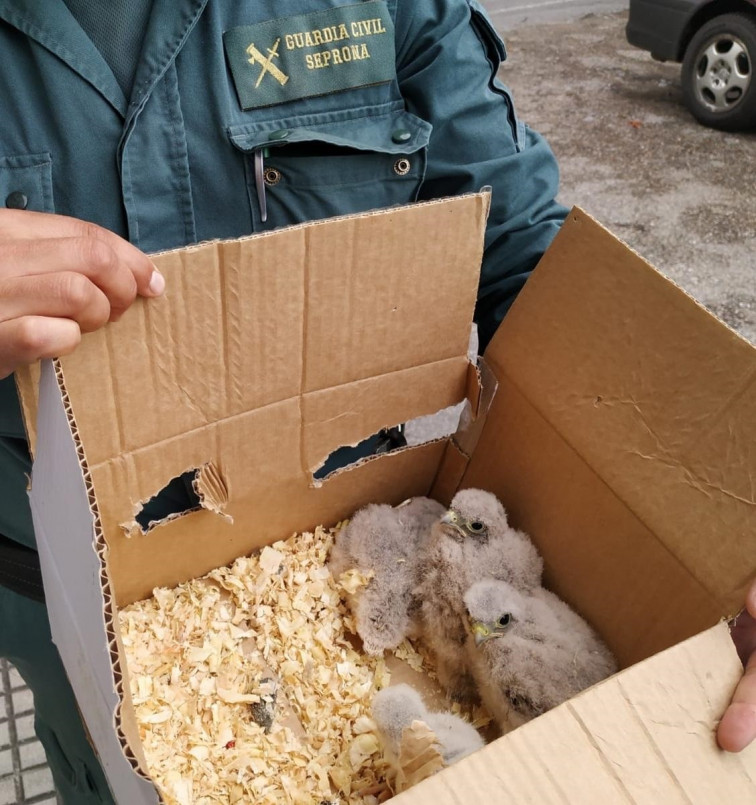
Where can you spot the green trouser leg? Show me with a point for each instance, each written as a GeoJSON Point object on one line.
{"type": "Point", "coordinates": [25, 641]}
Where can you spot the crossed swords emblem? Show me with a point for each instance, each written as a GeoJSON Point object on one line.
{"type": "Point", "coordinates": [266, 64]}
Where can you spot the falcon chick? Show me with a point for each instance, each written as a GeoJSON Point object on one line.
{"type": "Point", "coordinates": [387, 541]}
{"type": "Point", "coordinates": [473, 540]}
{"type": "Point", "coordinates": [396, 707]}
{"type": "Point", "coordinates": [529, 651]}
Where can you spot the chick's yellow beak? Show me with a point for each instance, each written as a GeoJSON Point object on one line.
{"type": "Point", "coordinates": [451, 520]}
{"type": "Point", "coordinates": [481, 632]}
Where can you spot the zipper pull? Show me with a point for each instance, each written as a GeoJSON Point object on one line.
{"type": "Point", "coordinates": [260, 154]}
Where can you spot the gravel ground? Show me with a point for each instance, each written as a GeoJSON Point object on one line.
{"type": "Point", "coordinates": [630, 154]}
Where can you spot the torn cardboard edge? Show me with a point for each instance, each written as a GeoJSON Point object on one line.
{"type": "Point", "coordinates": [213, 494]}
{"type": "Point", "coordinates": [482, 388]}
{"type": "Point", "coordinates": [209, 489]}
{"type": "Point", "coordinates": [467, 430]}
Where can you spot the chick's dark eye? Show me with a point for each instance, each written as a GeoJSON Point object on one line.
{"type": "Point", "coordinates": [477, 527]}
{"type": "Point", "coordinates": [504, 620]}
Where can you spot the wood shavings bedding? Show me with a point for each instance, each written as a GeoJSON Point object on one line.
{"type": "Point", "coordinates": [265, 640]}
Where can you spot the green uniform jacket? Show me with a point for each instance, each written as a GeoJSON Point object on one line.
{"type": "Point", "coordinates": [341, 107]}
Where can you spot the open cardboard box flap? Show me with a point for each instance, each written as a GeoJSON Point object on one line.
{"type": "Point", "coordinates": [621, 437]}
{"type": "Point", "coordinates": [644, 736]}
{"type": "Point", "coordinates": [630, 442]}
{"type": "Point", "coordinates": [264, 356]}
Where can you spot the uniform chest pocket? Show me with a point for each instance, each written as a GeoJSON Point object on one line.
{"type": "Point", "coordinates": [318, 166]}
{"type": "Point", "coordinates": [26, 182]}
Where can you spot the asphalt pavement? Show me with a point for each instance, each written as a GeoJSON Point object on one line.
{"type": "Point", "coordinates": [680, 194]}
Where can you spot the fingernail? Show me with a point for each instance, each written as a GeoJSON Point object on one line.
{"type": "Point", "coordinates": [157, 283]}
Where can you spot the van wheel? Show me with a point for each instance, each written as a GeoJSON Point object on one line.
{"type": "Point", "coordinates": [719, 87]}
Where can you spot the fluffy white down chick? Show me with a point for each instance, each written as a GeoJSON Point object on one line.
{"type": "Point", "coordinates": [389, 542]}
{"type": "Point", "coordinates": [396, 707]}
{"type": "Point", "coordinates": [529, 651]}
{"type": "Point", "coordinates": [473, 540]}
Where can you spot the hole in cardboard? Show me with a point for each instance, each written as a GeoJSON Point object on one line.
{"type": "Point", "coordinates": [422, 430]}
{"type": "Point", "coordinates": [177, 497]}
{"type": "Point", "coordinates": [385, 441]}
{"type": "Point", "coordinates": [193, 490]}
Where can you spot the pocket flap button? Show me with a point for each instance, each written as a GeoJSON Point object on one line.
{"type": "Point", "coordinates": [16, 201]}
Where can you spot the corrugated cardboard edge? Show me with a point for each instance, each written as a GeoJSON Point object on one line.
{"type": "Point", "coordinates": [645, 735]}
{"type": "Point", "coordinates": [127, 731]}
{"type": "Point", "coordinates": [79, 598]}
{"type": "Point", "coordinates": [484, 194]}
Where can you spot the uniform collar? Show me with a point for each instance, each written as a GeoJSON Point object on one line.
{"type": "Point", "coordinates": [51, 24]}
{"type": "Point", "coordinates": [170, 23]}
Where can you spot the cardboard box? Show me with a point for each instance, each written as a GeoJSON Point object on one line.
{"type": "Point", "coordinates": [621, 436]}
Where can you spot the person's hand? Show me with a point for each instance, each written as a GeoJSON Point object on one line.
{"type": "Point", "coordinates": [59, 278]}
{"type": "Point", "coordinates": [738, 725]}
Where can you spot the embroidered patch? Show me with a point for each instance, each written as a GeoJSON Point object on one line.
{"type": "Point", "coordinates": [311, 54]}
